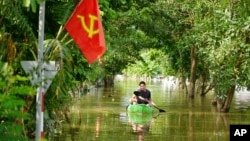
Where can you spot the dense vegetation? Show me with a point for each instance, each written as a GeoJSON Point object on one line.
{"type": "Point", "coordinates": [204, 41]}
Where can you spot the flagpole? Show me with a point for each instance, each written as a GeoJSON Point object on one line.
{"type": "Point", "coordinates": [40, 90]}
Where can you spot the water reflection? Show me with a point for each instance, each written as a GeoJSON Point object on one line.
{"type": "Point", "coordinates": [97, 125]}
{"type": "Point", "coordinates": [141, 129]}
{"type": "Point", "coordinates": [221, 124]}
{"type": "Point", "coordinates": [101, 115]}
{"type": "Point", "coordinates": [141, 124]}
{"type": "Point", "coordinates": [73, 118]}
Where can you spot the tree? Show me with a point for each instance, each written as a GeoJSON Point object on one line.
{"type": "Point", "coordinates": [227, 40]}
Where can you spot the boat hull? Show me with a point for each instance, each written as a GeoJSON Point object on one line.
{"type": "Point", "coordinates": [140, 113]}
{"type": "Point", "coordinates": [140, 108]}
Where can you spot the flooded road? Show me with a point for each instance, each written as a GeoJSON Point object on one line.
{"type": "Point", "coordinates": [100, 115]}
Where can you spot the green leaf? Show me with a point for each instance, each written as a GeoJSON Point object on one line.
{"type": "Point", "coordinates": [33, 6]}
{"type": "Point", "coordinates": [26, 3]}
{"type": "Point", "coordinates": [23, 90]}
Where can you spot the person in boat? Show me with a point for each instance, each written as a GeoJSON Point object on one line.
{"type": "Point", "coordinates": [142, 95]}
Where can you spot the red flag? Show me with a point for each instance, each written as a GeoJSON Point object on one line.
{"type": "Point", "coordinates": [85, 27]}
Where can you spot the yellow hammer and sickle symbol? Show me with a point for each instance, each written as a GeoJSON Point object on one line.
{"type": "Point", "coordinates": [91, 31]}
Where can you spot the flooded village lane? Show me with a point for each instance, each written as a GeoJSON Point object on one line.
{"type": "Point", "coordinates": [101, 115]}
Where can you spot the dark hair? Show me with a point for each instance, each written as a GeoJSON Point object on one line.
{"type": "Point", "coordinates": [142, 82]}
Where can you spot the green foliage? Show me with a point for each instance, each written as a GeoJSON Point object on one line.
{"type": "Point", "coordinates": [226, 36]}
{"type": "Point", "coordinates": [150, 64]}
{"type": "Point", "coordinates": [220, 30]}
{"type": "Point", "coordinates": [216, 28]}
{"type": "Point", "coordinates": [9, 132]}
{"type": "Point", "coordinates": [11, 102]}
{"type": "Point", "coordinates": [162, 25]}
{"type": "Point", "coordinates": [120, 5]}
{"type": "Point", "coordinates": [135, 27]}
{"type": "Point", "coordinates": [13, 17]}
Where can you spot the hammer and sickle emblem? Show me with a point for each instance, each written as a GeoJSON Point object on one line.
{"type": "Point", "coordinates": [91, 31]}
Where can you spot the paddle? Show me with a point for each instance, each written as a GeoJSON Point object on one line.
{"type": "Point", "coordinates": [137, 93]}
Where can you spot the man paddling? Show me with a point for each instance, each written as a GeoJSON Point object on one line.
{"type": "Point", "coordinates": [142, 95]}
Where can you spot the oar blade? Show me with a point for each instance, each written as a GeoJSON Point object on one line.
{"type": "Point", "coordinates": [161, 111]}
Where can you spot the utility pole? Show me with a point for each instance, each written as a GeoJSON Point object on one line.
{"type": "Point", "coordinates": [42, 74]}
{"type": "Point", "coordinates": [40, 90]}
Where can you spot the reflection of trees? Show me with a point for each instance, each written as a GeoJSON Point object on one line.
{"type": "Point", "coordinates": [221, 124]}
{"type": "Point", "coordinates": [191, 126]}
{"type": "Point", "coordinates": [197, 131]}
{"type": "Point", "coordinates": [74, 125]}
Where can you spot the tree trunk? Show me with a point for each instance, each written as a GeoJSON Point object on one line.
{"type": "Point", "coordinates": [184, 85]}
{"type": "Point", "coordinates": [226, 106]}
{"type": "Point", "coordinates": [194, 61]}
{"type": "Point", "coordinates": [230, 92]}
{"type": "Point", "coordinates": [183, 82]}
{"type": "Point", "coordinates": [205, 87]}
{"type": "Point", "coordinates": [109, 81]}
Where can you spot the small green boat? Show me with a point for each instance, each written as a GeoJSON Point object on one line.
{"type": "Point", "coordinates": [140, 113]}
{"type": "Point", "coordinates": [140, 109]}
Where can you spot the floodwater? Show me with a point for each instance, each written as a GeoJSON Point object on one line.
{"type": "Point", "coordinates": [100, 115]}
